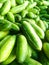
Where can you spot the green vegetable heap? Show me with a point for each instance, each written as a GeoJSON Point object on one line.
{"type": "Point", "coordinates": [24, 32]}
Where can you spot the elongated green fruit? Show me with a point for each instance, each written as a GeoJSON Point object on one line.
{"type": "Point", "coordinates": [30, 6]}
{"type": "Point", "coordinates": [34, 10]}
{"type": "Point", "coordinates": [7, 48]}
{"type": "Point", "coordinates": [24, 13]}
{"type": "Point", "coordinates": [13, 3]}
{"type": "Point", "coordinates": [38, 30]}
{"type": "Point", "coordinates": [6, 25]}
{"type": "Point", "coordinates": [29, 51]}
{"type": "Point", "coordinates": [47, 35]}
{"type": "Point", "coordinates": [6, 7]}
{"type": "Point", "coordinates": [19, 8]}
{"type": "Point", "coordinates": [30, 61]}
{"type": "Point", "coordinates": [18, 17]}
{"type": "Point", "coordinates": [10, 17]}
{"type": "Point", "coordinates": [20, 1]}
{"type": "Point", "coordinates": [32, 36]}
{"type": "Point", "coordinates": [11, 58]}
{"type": "Point", "coordinates": [3, 34]}
{"type": "Point", "coordinates": [31, 15]}
{"type": "Point", "coordinates": [46, 48]}
{"type": "Point", "coordinates": [2, 42]}
{"type": "Point", "coordinates": [21, 49]}
{"type": "Point", "coordinates": [41, 24]}
{"type": "Point", "coordinates": [46, 24]}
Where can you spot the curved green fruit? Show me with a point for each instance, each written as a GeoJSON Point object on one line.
{"type": "Point", "coordinates": [19, 8]}
{"type": "Point", "coordinates": [30, 61]}
{"type": "Point", "coordinates": [42, 25]}
{"type": "Point", "coordinates": [3, 34]}
{"type": "Point", "coordinates": [38, 30]}
{"type": "Point", "coordinates": [2, 42]}
{"type": "Point", "coordinates": [32, 36]}
{"type": "Point", "coordinates": [46, 24]}
{"type": "Point", "coordinates": [20, 1]}
{"type": "Point", "coordinates": [6, 7]}
{"type": "Point", "coordinates": [10, 17]}
{"type": "Point", "coordinates": [10, 59]}
{"type": "Point", "coordinates": [7, 25]}
{"type": "Point", "coordinates": [46, 48]}
{"type": "Point", "coordinates": [29, 51]}
{"type": "Point", "coordinates": [13, 3]}
{"type": "Point", "coordinates": [21, 49]}
{"type": "Point", "coordinates": [7, 48]}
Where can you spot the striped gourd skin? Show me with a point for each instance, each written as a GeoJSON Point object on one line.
{"type": "Point", "coordinates": [32, 35]}
{"type": "Point", "coordinates": [37, 29]}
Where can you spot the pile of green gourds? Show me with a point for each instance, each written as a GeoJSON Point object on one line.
{"type": "Point", "coordinates": [24, 32]}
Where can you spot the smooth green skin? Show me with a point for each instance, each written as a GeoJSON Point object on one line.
{"type": "Point", "coordinates": [6, 25]}
{"type": "Point", "coordinates": [47, 35]}
{"type": "Point", "coordinates": [42, 25]}
{"type": "Point", "coordinates": [46, 24]}
{"type": "Point", "coordinates": [20, 1]}
{"type": "Point", "coordinates": [30, 6]}
{"type": "Point", "coordinates": [3, 34]}
{"type": "Point", "coordinates": [29, 51]}
{"type": "Point", "coordinates": [34, 10]}
{"type": "Point", "coordinates": [46, 48]}
{"type": "Point", "coordinates": [13, 3]}
{"type": "Point", "coordinates": [10, 17]}
{"type": "Point", "coordinates": [21, 49]}
{"type": "Point", "coordinates": [10, 59]}
{"type": "Point", "coordinates": [31, 15]}
{"type": "Point", "coordinates": [19, 8]}
{"type": "Point", "coordinates": [5, 9]}
{"type": "Point", "coordinates": [32, 36]}
{"type": "Point", "coordinates": [24, 13]}
{"type": "Point", "coordinates": [2, 42]}
{"type": "Point", "coordinates": [7, 48]}
{"type": "Point", "coordinates": [30, 61]}
{"type": "Point", "coordinates": [38, 30]}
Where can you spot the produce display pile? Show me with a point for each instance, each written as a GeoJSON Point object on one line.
{"type": "Point", "coordinates": [24, 32]}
